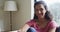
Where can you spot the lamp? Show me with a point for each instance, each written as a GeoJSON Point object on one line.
{"type": "Point", "coordinates": [10, 6]}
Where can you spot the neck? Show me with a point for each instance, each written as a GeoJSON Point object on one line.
{"type": "Point", "coordinates": [42, 20]}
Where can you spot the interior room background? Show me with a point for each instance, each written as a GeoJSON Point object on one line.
{"type": "Point", "coordinates": [24, 13]}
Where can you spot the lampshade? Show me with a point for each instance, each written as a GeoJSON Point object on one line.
{"type": "Point", "coordinates": [10, 6]}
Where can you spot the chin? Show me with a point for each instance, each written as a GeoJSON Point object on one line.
{"type": "Point", "coordinates": [41, 17]}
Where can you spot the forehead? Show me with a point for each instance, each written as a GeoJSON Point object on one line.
{"type": "Point", "coordinates": [39, 6]}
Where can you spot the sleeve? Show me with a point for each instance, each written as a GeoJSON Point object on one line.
{"type": "Point", "coordinates": [30, 23]}
{"type": "Point", "coordinates": [52, 24]}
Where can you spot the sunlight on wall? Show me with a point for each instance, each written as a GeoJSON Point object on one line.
{"type": "Point", "coordinates": [32, 9]}
{"type": "Point", "coordinates": [54, 7]}
{"type": "Point", "coordinates": [51, 1]}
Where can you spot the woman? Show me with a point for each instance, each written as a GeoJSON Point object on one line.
{"type": "Point", "coordinates": [43, 20]}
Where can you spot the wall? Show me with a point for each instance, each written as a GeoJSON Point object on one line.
{"type": "Point", "coordinates": [20, 17]}
{"type": "Point", "coordinates": [4, 21]}
{"type": "Point", "coordinates": [4, 18]}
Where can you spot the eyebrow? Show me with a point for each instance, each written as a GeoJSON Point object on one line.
{"type": "Point", "coordinates": [41, 8]}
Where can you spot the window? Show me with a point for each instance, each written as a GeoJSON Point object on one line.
{"type": "Point", "coordinates": [54, 7]}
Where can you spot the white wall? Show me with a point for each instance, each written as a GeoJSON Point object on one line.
{"type": "Point", "coordinates": [21, 16]}
{"type": "Point", "coordinates": [4, 18]}
{"type": "Point", "coordinates": [4, 21]}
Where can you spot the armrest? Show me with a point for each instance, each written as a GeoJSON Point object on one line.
{"type": "Point", "coordinates": [58, 29]}
{"type": "Point", "coordinates": [15, 31]}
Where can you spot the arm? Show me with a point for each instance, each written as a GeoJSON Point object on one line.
{"type": "Point", "coordinates": [24, 28]}
{"type": "Point", "coordinates": [52, 29]}
{"type": "Point", "coordinates": [52, 26]}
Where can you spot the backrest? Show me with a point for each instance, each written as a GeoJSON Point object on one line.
{"type": "Point", "coordinates": [58, 29]}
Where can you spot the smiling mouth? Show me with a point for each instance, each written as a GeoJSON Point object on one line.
{"type": "Point", "coordinates": [41, 14]}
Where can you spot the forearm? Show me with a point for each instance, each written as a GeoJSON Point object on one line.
{"type": "Point", "coordinates": [52, 30]}
{"type": "Point", "coordinates": [24, 28]}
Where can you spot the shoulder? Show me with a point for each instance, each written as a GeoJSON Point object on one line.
{"type": "Point", "coordinates": [52, 24]}
{"type": "Point", "coordinates": [31, 22]}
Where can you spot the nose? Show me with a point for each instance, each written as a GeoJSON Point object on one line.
{"type": "Point", "coordinates": [39, 12]}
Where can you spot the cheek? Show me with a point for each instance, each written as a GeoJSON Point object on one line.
{"type": "Point", "coordinates": [36, 12]}
{"type": "Point", "coordinates": [44, 12]}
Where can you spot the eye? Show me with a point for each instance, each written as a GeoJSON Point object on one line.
{"type": "Point", "coordinates": [36, 10]}
{"type": "Point", "coordinates": [41, 9]}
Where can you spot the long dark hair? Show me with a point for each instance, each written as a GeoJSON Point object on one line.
{"type": "Point", "coordinates": [48, 15]}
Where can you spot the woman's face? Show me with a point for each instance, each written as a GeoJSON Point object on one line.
{"type": "Point", "coordinates": [40, 10]}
